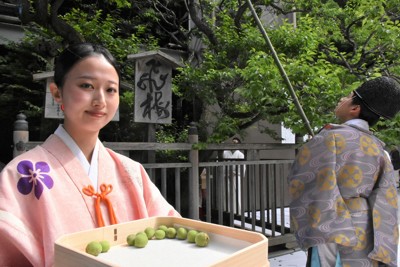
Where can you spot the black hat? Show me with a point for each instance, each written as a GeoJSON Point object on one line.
{"type": "Point", "coordinates": [381, 96]}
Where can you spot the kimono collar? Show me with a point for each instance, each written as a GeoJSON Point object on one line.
{"type": "Point", "coordinates": [91, 168]}
{"type": "Point", "coordinates": [358, 123]}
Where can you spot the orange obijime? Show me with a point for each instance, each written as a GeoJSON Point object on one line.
{"type": "Point", "coordinates": [102, 196]}
{"type": "Point", "coordinates": [41, 197]}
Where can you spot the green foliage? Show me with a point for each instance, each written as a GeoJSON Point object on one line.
{"type": "Point", "coordinates": [171, 133]}
{"type": "Point", "coordinates": [334, 46]}
{"type": "Point", "coordinates": [330, 52]}
{"type": "Point", "coordinates": [388, 132]}
{"type": "Point", "coordinates": [122, 3]}
{"type": "Point", "coordinates": [103, 29]}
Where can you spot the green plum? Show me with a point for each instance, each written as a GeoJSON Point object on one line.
{"type": "Point", "coordinates": [105, 246]}
{"type": "Point", "coordinates": [202, 239]}
{"type": "Point", "coordinates": [191, 236]}
{"type": "Point", "coordinates": [130, 239]}
{"type": "Point", "coordinates": [93, 248]}
{"type": "Point", "coordinates": [141, 240]}
{"type": "Point", "coordinates": [171, 233]}
{"type": "Point", "coordinates": [159, 234]}
{"type": "Point", "coordinates": [181, 233]}
{"type": "Point", "coordinates": [150, 232]}
{"type": "Point", "coordinates": [163, 227]}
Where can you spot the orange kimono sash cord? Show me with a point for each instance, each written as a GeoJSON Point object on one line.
{"type": "Point", "coordinates": [102, 196]}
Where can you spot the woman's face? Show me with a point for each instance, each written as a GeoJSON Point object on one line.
{"type": "Point", "coordinates": [90, 95]}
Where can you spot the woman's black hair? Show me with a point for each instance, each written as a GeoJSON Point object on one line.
{"type": "Point", "coordinates": [73, 54]}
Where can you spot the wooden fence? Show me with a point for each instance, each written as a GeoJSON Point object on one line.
{"type": "Point", "coordinates": [254, 198]}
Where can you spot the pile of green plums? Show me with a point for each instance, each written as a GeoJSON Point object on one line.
{"type": "Point", "coordinates": [140, 239]}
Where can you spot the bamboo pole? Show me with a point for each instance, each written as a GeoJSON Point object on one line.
{"type": "Point", "coordinates": [281, 70]}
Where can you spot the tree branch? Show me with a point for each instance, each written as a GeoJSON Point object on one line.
{"type": "Point", "coordinates": [63, 29]}
{"type": "Point", "coordinates": [201, 25]}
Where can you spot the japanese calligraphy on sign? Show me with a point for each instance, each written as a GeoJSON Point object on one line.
{"type": "Point", "coordinates": [153, 94]}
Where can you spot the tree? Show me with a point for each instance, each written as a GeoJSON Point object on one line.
{"type": "Point", "coordinates": [334, 46]}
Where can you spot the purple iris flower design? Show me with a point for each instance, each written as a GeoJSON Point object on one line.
{"type": "Point", "coordinates": [34, 177]}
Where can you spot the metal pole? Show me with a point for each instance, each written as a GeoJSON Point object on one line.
{"type": "Point", "coordinates": [282, 71]}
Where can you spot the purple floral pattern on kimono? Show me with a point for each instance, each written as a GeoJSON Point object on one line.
{"type": "Point", "coordinates": [34, 176]}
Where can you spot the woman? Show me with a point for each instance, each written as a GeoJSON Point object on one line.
{"type": "Point", "coordinates": [72, 182]}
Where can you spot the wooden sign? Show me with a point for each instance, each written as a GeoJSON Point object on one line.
{"type": "Point", "coordinates": [153, 93]}
{"type": "Point", "coordinates": [153, 82]}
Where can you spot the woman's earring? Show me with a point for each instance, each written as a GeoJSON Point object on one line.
{"type": "Point", "coordinates": [62, 107]}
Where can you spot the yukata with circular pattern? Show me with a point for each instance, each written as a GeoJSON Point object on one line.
{"type": "Point", "coordinates": [342, 188]}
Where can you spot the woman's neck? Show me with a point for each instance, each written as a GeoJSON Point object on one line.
{"type": "Point", "coordinates": [86, 141]}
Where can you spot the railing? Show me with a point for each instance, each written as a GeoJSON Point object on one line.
{"type": "Point", "coordinates": [247, 194]}
{"type": "Point", "coordinates": [261, 204]}
{"type": "Point", "coordinates": [261, 187]}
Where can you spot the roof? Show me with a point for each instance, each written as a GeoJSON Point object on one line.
{"type": "Point", "coordinates": [167, 59]}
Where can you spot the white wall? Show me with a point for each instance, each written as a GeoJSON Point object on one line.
{"type": "Point", "coordinates": [254, 135]}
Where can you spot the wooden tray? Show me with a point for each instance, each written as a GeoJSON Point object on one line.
{"type": "Point", "coordinates": [228, 246]}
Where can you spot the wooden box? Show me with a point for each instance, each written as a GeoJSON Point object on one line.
{"type": "Point", "coordinates": [227, 247]}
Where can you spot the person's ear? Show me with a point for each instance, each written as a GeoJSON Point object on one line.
{"type": "Point", "coordinates": [55, 92]}
{"type": "Point", "coordinates": [355, 111]}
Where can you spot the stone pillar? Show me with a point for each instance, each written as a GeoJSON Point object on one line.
{"type": "Point", "coordinates": [20, 135]}
{"type": "Point", "coordinates": [194, 175]}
